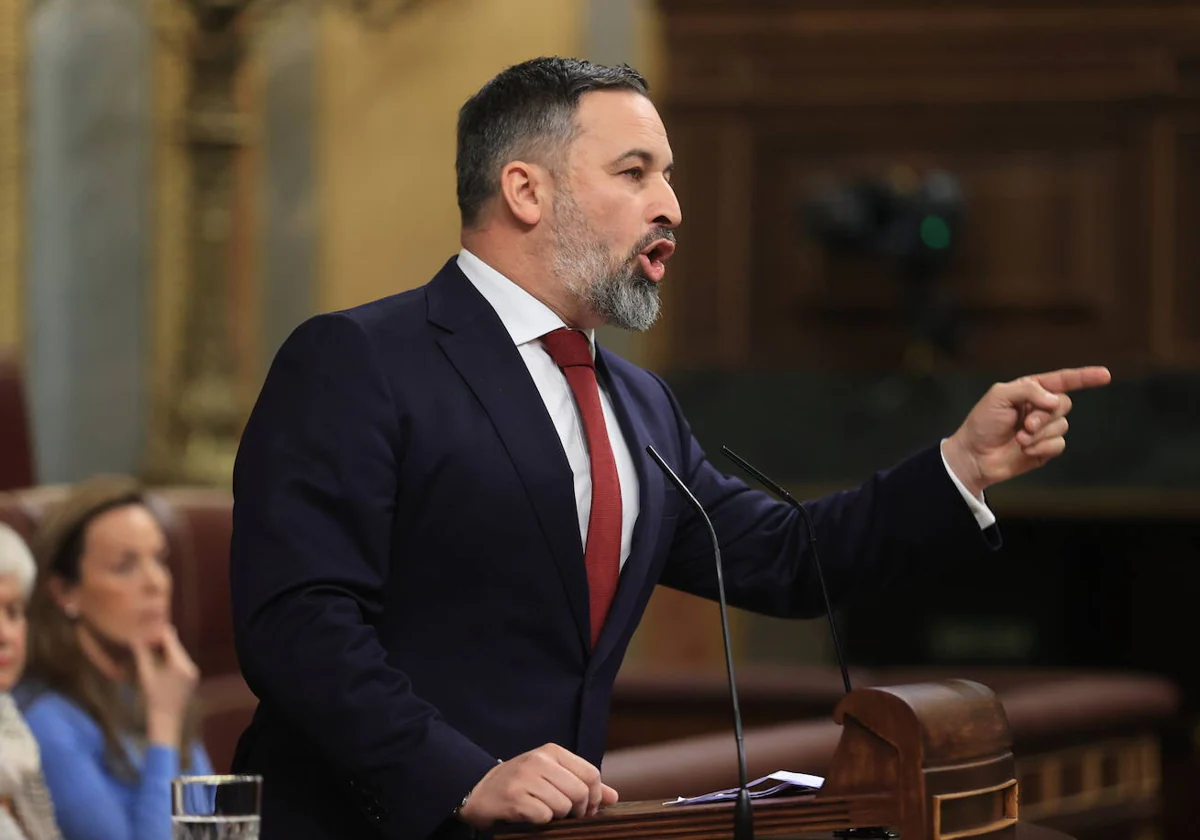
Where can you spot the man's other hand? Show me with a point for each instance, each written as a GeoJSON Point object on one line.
{"type": "Point", "coordinates": [1017, 426]}
{"type": "Point", "coordinates": [537, 787]}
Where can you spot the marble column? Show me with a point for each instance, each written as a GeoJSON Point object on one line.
{"type": "Point", "coordinates": [288, 57]}
{"type": "Point", "coordinates": [87, 304]}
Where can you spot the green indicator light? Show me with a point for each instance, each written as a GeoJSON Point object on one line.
{"type": "Point", "coordinates": [935, 233]}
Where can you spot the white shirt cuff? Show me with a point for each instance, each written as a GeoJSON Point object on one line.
{"type": "Point", "coordinates": [983, 514]}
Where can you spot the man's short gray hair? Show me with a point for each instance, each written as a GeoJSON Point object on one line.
{"type": "Point", "coordinates": [17, 560]}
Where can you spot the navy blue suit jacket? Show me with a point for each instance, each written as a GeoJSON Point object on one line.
{"type": "Point", "coordinates": [409, 593]}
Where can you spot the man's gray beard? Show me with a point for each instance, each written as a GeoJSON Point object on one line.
{"type": "Point", "coordinates": [621, 296]}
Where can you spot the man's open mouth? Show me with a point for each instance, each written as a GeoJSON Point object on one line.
{"type": "Point", "coordinates": [654, 257]}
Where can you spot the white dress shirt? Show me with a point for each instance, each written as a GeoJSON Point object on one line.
{"type": "Point", "coordinates": [527, 319]}
{"type": "Point", "coordinates": [983, 514]}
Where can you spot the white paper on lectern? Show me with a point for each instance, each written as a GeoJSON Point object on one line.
{"type": "Point", "coordinates": [782, 782]}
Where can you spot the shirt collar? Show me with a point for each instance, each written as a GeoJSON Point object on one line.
{"type": "Point", "coordinates": [525, 317]}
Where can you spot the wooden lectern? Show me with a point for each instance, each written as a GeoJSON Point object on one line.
{"type": "Point", "coordinates": [932, 761]}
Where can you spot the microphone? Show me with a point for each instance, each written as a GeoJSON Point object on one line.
{"type": "Point", "coordinates": [743, 817]}
{"type": "Point", "coordinates": [812, 542]}
{"type": "Point", "coordinates": [866, 832]}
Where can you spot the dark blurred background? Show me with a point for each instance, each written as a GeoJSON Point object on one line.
{"type": "Point", "coordinates": [888, 206]}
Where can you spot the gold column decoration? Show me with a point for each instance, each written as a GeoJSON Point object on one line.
{"type": "Point", "coordinates": [199, 404]}
{"type": "Point", "coordinates": [12, 168]}
{"type": "Point", "coordinates": [171, 267]}
{"type": "Point", "coordinates": [202, 415]}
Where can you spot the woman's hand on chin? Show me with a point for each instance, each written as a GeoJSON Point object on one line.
{"type": "Point", "coordinates": [168, 678]}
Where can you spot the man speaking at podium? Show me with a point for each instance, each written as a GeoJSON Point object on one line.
{"type": "Point", "coordinates": [446, 526]}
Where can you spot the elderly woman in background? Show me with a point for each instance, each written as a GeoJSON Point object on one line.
{"type": "Point", "coordinates": [109, 689]}
{"type": "Point", "coordinates": [26, 812]}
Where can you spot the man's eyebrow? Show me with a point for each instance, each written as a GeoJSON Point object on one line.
{"type": "Point", "coordinates": [647, 159]}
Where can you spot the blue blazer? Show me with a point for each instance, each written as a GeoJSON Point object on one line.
{"type": "Point", "coordinates": [409, 594]}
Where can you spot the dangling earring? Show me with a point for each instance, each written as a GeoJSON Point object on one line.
{"type": "Point", "coordinates": [71, 611]}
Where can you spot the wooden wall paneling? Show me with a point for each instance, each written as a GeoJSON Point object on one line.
{"type": "Point", "coordinates": [915, 55]}
{"type": "Point", "coordinates": [1185, 262]}
{"type": "Point", "coordinates": [858, 6]}
{"type": "Point", "coordinates": [734, 270]}
{"type": "Point", "coordinates": [1042, 246]}
{"type": "Point", "coordinates": [1060, 121]}
{"type": "Point", "coordinates": [1160, 186]}
{"type": "Point", "coordinates": [706, 298]}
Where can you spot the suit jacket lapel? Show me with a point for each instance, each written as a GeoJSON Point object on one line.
{"type": "Point", "coordinates": [482, 352]}
{"type": "Point", "coordinates": [645, 531]}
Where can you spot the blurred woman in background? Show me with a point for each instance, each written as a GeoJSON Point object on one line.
{"type": "Point", "coordinates": [26, 812]}
{"type": "Point", "coordinates": [110, 688]}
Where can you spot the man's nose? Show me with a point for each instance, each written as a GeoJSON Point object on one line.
{"type": "Point", "coordinates": [667, 211]}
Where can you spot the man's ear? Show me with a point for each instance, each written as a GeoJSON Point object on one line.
{"type": "Point", "coordinates": [525, 190]}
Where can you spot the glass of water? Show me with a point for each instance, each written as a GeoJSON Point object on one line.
{"type": "Point", "coordinates": [216, 807]}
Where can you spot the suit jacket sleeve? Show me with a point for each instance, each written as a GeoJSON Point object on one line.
{"type": "Point", "coordinates": [314, 489]}
{"type": "Point", "coordinates": [867, 536]}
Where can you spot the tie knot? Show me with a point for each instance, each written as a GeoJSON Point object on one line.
{"type": "Point", "coordinates": [569, 348]}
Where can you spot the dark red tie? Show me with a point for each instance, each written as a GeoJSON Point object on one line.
{"type": "Point", "coordinates": [571, 351]}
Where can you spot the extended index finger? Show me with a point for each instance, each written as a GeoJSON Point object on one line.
{"type": "Point", "coordinates": [173, 648]}
{"type": "Point", "coordinates": [1074, 379]}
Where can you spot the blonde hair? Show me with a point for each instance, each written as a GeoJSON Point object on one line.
{"type": "Point", "coordinates": [17, 560]}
